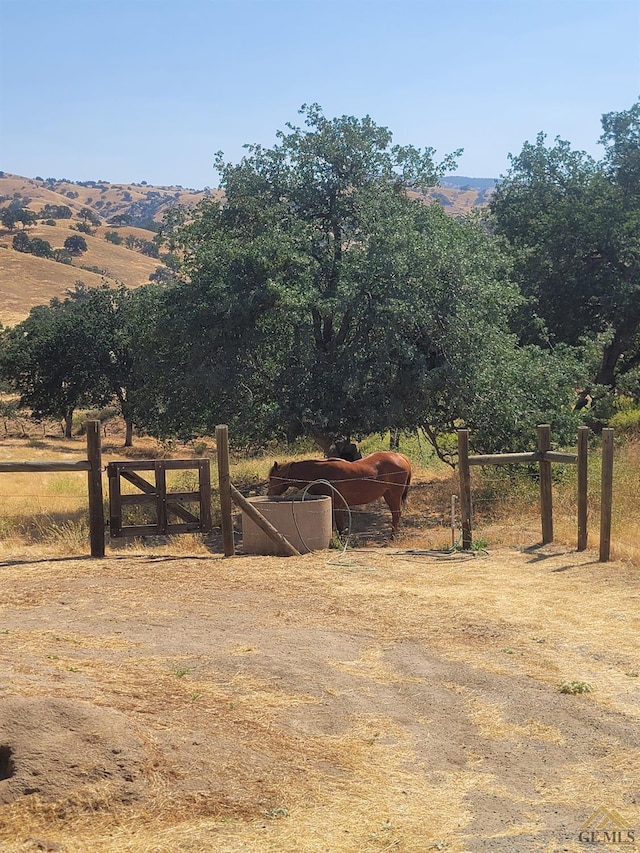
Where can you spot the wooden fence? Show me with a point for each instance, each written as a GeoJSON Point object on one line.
{"type": "Point", "coordinates": [93, 466]}
{"type": "Point", "coordinates": [165, 504]}
{"type": "Point", "coordinates": [155, 494]}
{"type": "Point", "coordinates": [544, 457]}
{"type": "Point", "coordinates": [171, 515]}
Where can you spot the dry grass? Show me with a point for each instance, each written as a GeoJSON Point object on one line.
{"type": "Point", "coordinates": [27, 281]}
{"type": "Point", "coordinates": [390, 701]}
{"type": "Point", "coordinates": [505, 508]}
{"type": "Point", "coordinates": [361, 701]}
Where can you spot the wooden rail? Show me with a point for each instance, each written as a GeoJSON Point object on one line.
{"type": "Point", "coordinates": [43, 467]}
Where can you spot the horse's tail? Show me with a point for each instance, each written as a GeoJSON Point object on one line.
{"type": "Point", "coordinates": [405, 492]}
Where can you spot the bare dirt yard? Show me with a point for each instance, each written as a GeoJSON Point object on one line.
{"type": "Point", "coordinates": [381, 699]}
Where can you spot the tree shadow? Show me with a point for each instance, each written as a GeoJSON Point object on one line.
{"type": "Point", "coordinates": [54, 444]}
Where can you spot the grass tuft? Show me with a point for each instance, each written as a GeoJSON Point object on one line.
{"type": "Point", "coordinates": [575, 687]}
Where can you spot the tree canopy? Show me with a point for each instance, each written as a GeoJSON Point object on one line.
{"type": "Point", "coordinates": [574, 226]}
{"type": "Point", "coordinates": [77, 352]}
{"type": "Point", "coordinates": [321, 298]}
{"type": "Point", "coordinates": [52, 359]}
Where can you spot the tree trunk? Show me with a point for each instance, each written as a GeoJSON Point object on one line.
{"type": "Point", "coordinates": [610, 357]}
{"type": "Point", "coordinates": [68, 423]}
{"type": "Point", "coordinates": [128, 435]}
{"type": "Point", "coordinates": [323, 440]}
{"type": "Point", "coordinates": [621, 342]}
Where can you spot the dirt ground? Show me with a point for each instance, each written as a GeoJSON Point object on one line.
{"type": "Point", "coordinates": [377, 699]}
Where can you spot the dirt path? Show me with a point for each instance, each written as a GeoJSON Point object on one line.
{"type": "Point", "coordinates": [382, 700]}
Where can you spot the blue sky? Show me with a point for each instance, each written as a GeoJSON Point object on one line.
{"type": "Point", "coordinates": [133, 90]}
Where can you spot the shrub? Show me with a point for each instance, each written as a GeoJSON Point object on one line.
{"type": "Point", "coordinates": [575, 687]}
{"type": "Point", "coordinates": [626, 421]}
{"type": "Point", "coordinates": [95, 269]}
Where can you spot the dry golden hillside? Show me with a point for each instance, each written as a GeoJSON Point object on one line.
{"type": "Point", "coordinates": [27, 280]}
{"type": "Point", "coordinates": [104, 199]}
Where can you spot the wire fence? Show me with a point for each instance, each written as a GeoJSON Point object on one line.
{"type": "Point", "coordinates": [60, 507]}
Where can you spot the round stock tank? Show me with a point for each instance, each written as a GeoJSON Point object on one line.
{"type": "Point", "coordinates": [306, 524]}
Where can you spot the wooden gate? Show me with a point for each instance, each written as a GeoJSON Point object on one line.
{"type": "Point", "coordinates": [171, 516]}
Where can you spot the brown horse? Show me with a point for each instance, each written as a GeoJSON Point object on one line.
{"type": "Point", "coordinates": [382, 474]}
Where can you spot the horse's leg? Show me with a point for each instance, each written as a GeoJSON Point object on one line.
{"type": "Point", "coordinates": [339, 519]}
{"type": "Point", "coordinates": [394, 502]}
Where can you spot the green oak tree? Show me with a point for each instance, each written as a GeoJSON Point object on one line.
{"type": "Point", "coordinates": [80, 352]}
{"type": "Point", "coordinates": [76, 244]}
{"type": "Point", "coordinates": [55, 360]}
{"type": "Point", "coordinates": [322, 297]}
{"type": "Point", "coordinates": [573, 225]}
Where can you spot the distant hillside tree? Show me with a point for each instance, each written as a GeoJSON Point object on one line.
{"type": "Point", "coordinates": [8, 218]}
{"type": "Point", "coordinates": [62, 256]}
{"type": "Point", "coordinates": [13, 214]}
{"type": "Point", "coordinates": [119, 219]}
{"type": "Point", "coordinates": [149, 248]}
{"type": "Point", "coordinates": [56, 211]}
{"type": "Point", "coordinates": [89, 217]}
{"type": "Point", "coordinates": [76, 244]}
{"type": "Point", "coordinates": [26, 217]}
{"type": "Point", "coordinates": [21, 242]}
{"type": "Point", "coordinates": [41, 248]}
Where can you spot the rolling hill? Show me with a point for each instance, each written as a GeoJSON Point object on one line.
{"type": "Point", "coordinates": [27, 280]}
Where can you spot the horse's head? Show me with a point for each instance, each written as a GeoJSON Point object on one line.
{"type": "Point", "coordinates": [278, 482]}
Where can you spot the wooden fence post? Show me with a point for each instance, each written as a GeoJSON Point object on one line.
{"type": "Point", "coordinates": [96, 505]}
{"type": "Point", "coordinates": [583, 445]}
{"type": "Point", "coordinates": [465, 487]}
{"type": "Point", "coordinates": [224, 487]}
{"type": "Point", "coordinates": [546, 498]}
{"type": "Point", "coordinates": [204, 488]}
{"type": "Point", "coordinates": [606, 496]}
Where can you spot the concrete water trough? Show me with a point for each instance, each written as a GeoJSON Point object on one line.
{"type": "Point", "coordinates": [305, 523]}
